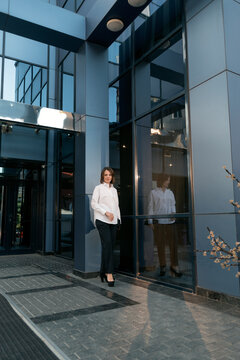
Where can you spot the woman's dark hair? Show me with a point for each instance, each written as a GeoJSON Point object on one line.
{"type": "Point", "coordinates": [162, 178]}
{"type": "Point", "coordinates": [111, 172]}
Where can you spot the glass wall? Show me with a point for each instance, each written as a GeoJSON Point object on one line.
{"type": "Point", "coordinates": [25, 70]}
{"type": "Point", "coordinates": [65, 194]}
{"type": "Point", "coordinates": [67, 4]}
{"type": "Point", "coordinates": [165, 250]}
{"type": "Point", "coordinates": [72, 5]}
{"type": "Point", "coordinates": [22, 188]}
{"type": "Point", "coordinates": [149, 148]}
{"type": "Point", "coordinates": [121, 162]}
{"type": "Point", "coordinates": [23, 176]}
{"type": "Point", "coordinates": [25, 83]}
{"type": "Point", "coordinates": [161, 75]}
{"type": "Point", "coordinates": [66, 83]}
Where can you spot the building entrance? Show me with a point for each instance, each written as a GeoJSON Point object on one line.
{"type": "Point", "coordinates": [21, 209]}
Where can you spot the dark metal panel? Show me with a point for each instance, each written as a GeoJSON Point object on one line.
{"type": "Point", "coordinates": [120, 10]}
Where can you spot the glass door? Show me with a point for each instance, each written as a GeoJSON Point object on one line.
{"type": "Point", "coordinates": [20, 210]}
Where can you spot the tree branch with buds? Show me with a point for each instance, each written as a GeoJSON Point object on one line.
{"type": "Point", "coordinates": [222, 253]}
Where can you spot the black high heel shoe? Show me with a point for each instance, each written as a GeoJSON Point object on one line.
{"type": "Point", "coordinates": [162, 270]}
{"type": "Point", "coordinates": [103, 277]}
{"type": "Point", "coordinates": [175, 273]}
{"type": "Point", "coordinates": [110, 283]}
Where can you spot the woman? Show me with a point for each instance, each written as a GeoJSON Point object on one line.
{"type": "Point", "coordinates": [162, 201]}
{"type": "Point", "coordinates": [106, 216]}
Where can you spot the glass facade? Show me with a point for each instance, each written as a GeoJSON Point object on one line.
{"type": "Point", "coordinates": [25, 170]}
{"type": "Point", "coordinates": [22, 188]}
{"type": "Point", "coordinates": [30, 84]}
{"type": "Point", "coordinates": [72, 5]}
{"type": "Point", "coordinates": [65, 196]}
{"type": "Point", "coordinates": [149, 106]}
{"type": "Point", "coordinates": [149, 148]}
{"type": "Point", "coordinates": [24, 70]}
{"type": "Point", "coordinates": [28, 75]}
{"type": "Point", "coordinates": [66, 82]}
{"type": "Point", "coordinates": [22, 213]}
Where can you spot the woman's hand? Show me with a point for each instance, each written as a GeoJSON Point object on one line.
{"type": "Point", "coordinates": [109, 216]}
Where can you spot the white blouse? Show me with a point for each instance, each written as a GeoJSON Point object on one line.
{"type": "Point", "coordinates": [105, 199]}
{"type": "Point", "coordinates": [161, 202]}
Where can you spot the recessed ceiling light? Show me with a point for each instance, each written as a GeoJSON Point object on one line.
{"type": "Point", "coordinates": [137, 3]}
{"type": "Point", "coordinates": [115, 25]}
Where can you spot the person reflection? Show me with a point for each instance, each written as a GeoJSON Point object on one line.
{"type": "Point", "coordinates": [162, 201]}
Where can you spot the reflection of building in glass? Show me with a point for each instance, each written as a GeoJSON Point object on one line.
{"type": "Point", "coordinates": [31, 84]}
{"type": "Point", "coordinates": [154, 99]}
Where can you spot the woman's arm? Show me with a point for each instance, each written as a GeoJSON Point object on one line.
{"type": "Point", "coordinates": [150, 207]}
{"type": "Point", "coordinates": [118, 209]}
{"type": "Point", "coordinates": [173, 203]}
{"type": "Point", "coordinates": [95, 201]}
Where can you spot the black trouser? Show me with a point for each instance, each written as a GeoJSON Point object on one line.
{"type": "Point", "coordinates": [107, 234]}
{"type": "Point", "coordinates": [164, 234]}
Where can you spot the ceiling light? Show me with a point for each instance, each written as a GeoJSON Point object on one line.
{"type": "Point", "coordinates": [115, 25]}
{"type": "Point", "coordinates": [137, 3]}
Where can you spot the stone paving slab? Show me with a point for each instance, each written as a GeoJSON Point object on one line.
{"type": "Point", "coordinates": [132, 321]}
{"type": "Point", "coordinates": [56, 301]}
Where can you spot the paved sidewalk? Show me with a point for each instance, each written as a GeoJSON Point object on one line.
{"type": "Point", "coordinates": [135, 320]}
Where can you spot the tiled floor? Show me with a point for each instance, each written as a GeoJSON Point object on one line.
{"type": "Point", "coordinates": [85, 319]}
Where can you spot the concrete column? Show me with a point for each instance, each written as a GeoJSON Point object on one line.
{"type": "Point", "coordinates": [212, 58]}
{"type": "Point", "coordinates": [91, 151]}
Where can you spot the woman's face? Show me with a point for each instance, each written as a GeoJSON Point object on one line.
{"type": "Point", "coordinates": [166, 183]}
{"type": "Point", "coordinates": [107, 177]}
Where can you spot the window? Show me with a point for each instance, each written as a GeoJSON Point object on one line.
{"type": "Point", "coordinates": [24, 83]}
{"type": "Point", "coordinates": [162, 196]}
{"type": "Point", "coordinates": [66, 79]}
{"type": "Point", "coordinates": [161, 75]}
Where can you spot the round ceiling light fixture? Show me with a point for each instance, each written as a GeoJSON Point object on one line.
{"type": "Point", "coordinates": [137, 3]}
{"type": "Point", "coordinates": [115, 25]}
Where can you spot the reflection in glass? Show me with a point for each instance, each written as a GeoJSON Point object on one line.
{"type": "Point", "coordinates": [66, 77]}
{"type": "Point", "coordinates": [165, 251]}
{"type": "Point", "coordinates": [113, 71]}
{"type": "Point", "coordinates": [156, 27]}
{"type": "Point", "coordinates": [37, 101]}
{"type": "Point", "coordinates": [113, 52]}
{"type": "Point", "coordinates": [44, 96]}
{"type": "Point", "coordinates": [113, 104]}
{"type": "Point", "coordinates": [60, 2]}
{"type": "Point", "coordinates": [66, 175]}
{"type": "Point", "coordinates": [28, 79]}
{"type": "Point", "coordinates": [35, 70]}
{"type": "Point", "coordinates": [21, 91]}
{"type": "Point", "coordinates": [120, 154]}
{"type": "Point", "coordinates": [79, 3]}
{"type": "Point", "coordinates": [162, 134]}
{"type": "Point", "coordinates": [161, 75]}
{"type": "Point", "coordinates": [21, 195]}
{"type": "Point", "coordinates": [9, 81]}
{"type": "Point", "coordinates": [36, 86]}
{"type": "Point", "coordinates": [120, 106]}
{"type": "Point", "coordinates": [125, 97]}
{"type": "Point", "coordinates": [21, 142]}
{"type": "Point", "coordinates": [68, 93]}
{"type": "Point", "coordinates": [24, 82]}
{"type": "Point", "coordinates": [70, 5]}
